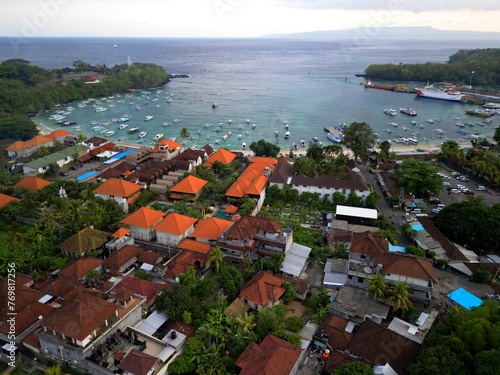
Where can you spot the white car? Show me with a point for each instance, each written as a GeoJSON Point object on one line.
{"type": "Point", "coordinates": [436, 210]}
{"type": "Point", "coordinates": [455, 191]}
{"type": "Point", "coordinates": [480, 188]}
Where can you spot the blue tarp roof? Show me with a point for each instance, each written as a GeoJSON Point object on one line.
{"type": "Point", "coordinates": [399, 249]}
{"type": "Point", "coordinates": [417, 227]}
{"type": "Point", "coordinates": [465, 298]}
{"type": "Point", "coordinates": [86, 175]}
{"type": "Point", "coordinates": [119, 156]}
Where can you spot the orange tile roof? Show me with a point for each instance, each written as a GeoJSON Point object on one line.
{"type": "Point", "coordinates": [144, 217]}
{"type": "Point", "coordinates": [211, 228]}
{"type": "Point", "coordinates": [59, 133]}
{"type": "Point", "coordinates": [263, 288]}
{"type": "Point", "coordinates": [147, 289]}
{"type": "Point", "coordinates": [37, 141]}
{"type": "Point", "coordinates": [264, 159]}
{"type": "Point", "coordinates": [189, 185]}
{"type": "Point", "coordinates": [273, 356]}
{"type": "Point", "coordinates": [175, 224]}
{"type": "Point", "coordinates": [172, 145]}
{"type": "Point", "coordinates": [222, 155]}
{"type": "Point", "coordinates": [120, 233]}
{"type": "Point", "coordinates": [117, 187]}
{"type": "Point", "coordinates": [32, 183]}
{"type": "Point", "coordinates": [231, 209]}
{"type": "Point", "coordinates": [198, 247]}
{"type": "Point", "coordinates": [16, 146]}
{"type": "Point", "coordinates": [243, 187]}
{"type": "Point", "coordinates": [6, 199]}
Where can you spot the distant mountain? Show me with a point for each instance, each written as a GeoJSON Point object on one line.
{"type": "Point", "coordinates": [414, 32]}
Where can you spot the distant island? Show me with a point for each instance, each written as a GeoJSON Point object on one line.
{"type": "Point", "coordinates": [463, 67]}
{"type": "Point", "coordinates": [413, 32]}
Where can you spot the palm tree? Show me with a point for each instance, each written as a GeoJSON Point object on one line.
{"type": "Point", "coordinates": [246, 323]}
{"type": "Point", "coordinates": [216, 257]}
{"type": "Point", "coordinates": [81, 138]}
{"type": "Point", "coordinates": [400, 296]}
{"type": "Point", "coordinates": [184, 134]}
{"type": "Point", "coordinates": [54, 370]}
{"type": "Point", "coordinates": [377, 286]}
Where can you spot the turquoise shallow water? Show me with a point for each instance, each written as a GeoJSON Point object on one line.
{"type": "Point", "coordinates": [308, 84]}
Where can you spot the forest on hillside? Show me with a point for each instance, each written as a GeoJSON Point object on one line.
{"type": "Point", "coordinates": [485, 63]}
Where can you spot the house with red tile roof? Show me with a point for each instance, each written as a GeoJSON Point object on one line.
{"type": "Point", "coordinates": [370, 254]}
{"type": "Point", "coordinates": [122, 260]}
{"type": "Point", "coordinates": [86, 240]}
{"type": "Point", "coordinates": [78, 269]}
{"type": "Point", "coordinates": [82, 325]}
{"type": "Point", "coordinates": [265, 289]}
{"type": "Point", "coordinates": [222, 156]}
{"type": "Point", "coordinates": [120, 238]}
{"type": "Point", "coordinates": [183, 261]}
{"type": "Point", "coordinates": [21, 149]}
{"type": "Point", "coordinates": [166, 149]}
{"type": "Point", "coordinates": [254, 237]}
{"type": "Point", "coordinates": [123, 192]}
{"type": "Point", "coordinates": [148, 289]}
{"type": "Point", "coordinates": [273, 356]}
{"type": "Point", "coordinates": [189, 159]}
{"type": "Point", "coordinates": [174, 228]}
{"type": "Point", "coordinates": [191, 186]}
{"type": "Point", "coordinates": [6, 199]}
{"type": "Point", "coordinates": [190, 244]}
{"type": "Point", "coordinates": [210, 229]}
{"type": "Point", "coordinates": [138, 363]}
{"type": "Point", "coordinates": [142, 221]}
{"type": "Point", "coordinates": [58, 134]}
{"type": "Point", "coordinates": [32, 183]}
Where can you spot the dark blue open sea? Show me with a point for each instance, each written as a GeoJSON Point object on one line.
{"type": "Point", "coordinates": [309, 84]}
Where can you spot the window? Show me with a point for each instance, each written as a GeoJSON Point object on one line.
{"type": "Point", "coordinates": [361, 280]}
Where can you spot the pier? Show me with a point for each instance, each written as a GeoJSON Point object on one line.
{"type": "Point", "coordinates": [333, 130]}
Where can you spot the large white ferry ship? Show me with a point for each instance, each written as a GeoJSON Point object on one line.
{"type": "Point", "coordinates": [448, 93]}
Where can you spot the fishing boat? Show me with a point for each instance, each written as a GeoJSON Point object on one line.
{"type": "Point", "coordinates": [215, 105]}
{"type": "Point", "coordinates": [390, 112]}
{"type": "Point", "coordinates": [176, 120]}
{"type": "Point", "coordinates": [243, 146]}
{"type": "Point", "coordinates": [143, 134]}
{"type": "Point", "coordinates": [207, 126]}
{"type": "Point", "coordinates": [122, 138]}
{"type": "Point", "coordinates": [133, 130]}
{"type": "Point", "coordinates": [294, 146]}
{"type": "Point", "coordinates": [109, 133]}
{"type": "Point", "coordinates": [157, 136]}
{"type": "Point", "coordinates": [334, 138]}
{"type": "Point", "coordinates": [148, 118]}
{"type": "Point", "coordinates": [395, 124]}
{"type": "Point", "coordinates": [101, 109]}
{"type": "Point", "coordinates": [408, 111]}
{"type": "Point", "coordinates": [122, 126]}
{"type": "Point", "coordinates": [287, 135]}
{"type": "Point", "coordinates": [302, 143]}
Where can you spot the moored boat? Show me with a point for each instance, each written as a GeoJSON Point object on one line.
{"type": "Point", "coordinates": [390, 112]}
{"type": "Point", "coordinates": [448, 93]}
{"type": "Point", "coordinates": [109, 133]}
{"type": "Point", "coordinates": [148, 118]}
{"type": "Point", "coordinates": [143, 134]}
{"type": "Point", "coordinates": [369, 84]}
{"type": "Point", "coordinates": [157, 136]}
{"type": "Point", "coordinates": [133, 130]}
{"type": "Point", "coordinates": [408, 111]}
{"type": "Point", "coordinates": [287, 135]}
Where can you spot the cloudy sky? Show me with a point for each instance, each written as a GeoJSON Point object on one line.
{"type": "Point", "coordinates": [235, 18]}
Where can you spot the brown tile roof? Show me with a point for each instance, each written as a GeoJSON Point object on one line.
{"type": "Point", "coordinates": [149, 257]}
{"type": "Point", "coordinates": [145, 288]}
{"type": "Point", "coordinates": [208, 149]}
{"type": "Point", "coordinates": [185, 329]}
{"type": "Point", "coordinates": [175, 223]}
{"type": "Point", "coordinates": [248, 226]}
{"type": "Point", "coordinates": [273, 356]}
{"type": "Point", "coordinates": [237, 308]}
{"type": "Point", "coordinates": [367, 244]}
{"type": "Point", "coordinates": [32, 341]}
{"type": "Point", "coordinates": [211, 228]}
{"type": "Point", "coordinates": [451, 250]}
{"type": "Point", "coordinates": [87, 239]}
{"type": "Point", "coordinates": [62, 288]}
{"type": "Point", "coordinates": [144, 217]}
{"type": "Point", "coordinates": [221, 155]}
{"type": "Point", "coordinates": [330, 182]}
{"type": "Point", "coordinates": [6, 199]}
{"type": "Point", "coordinates": [199, 247]}
{"type": "Point", "coordinates": [81, 316]}
{"type": "Point", "coordinates": [398, 264]}
{"type": "Point", "coordinates": [32, 183]}
{"type": "Point", "coordinates": [301, 286]}
{"type": "Point", "coordinates": [282, 172]}
{"type": "Point", "coordinates": [335, 327]}
{"type": "Point", "coordinates": [137, 363]}
{"type": "Point", "coordinates": [123, 256]}
{"type": "Point", "coordinates": [119, 188]}
{"type": "Point", "coordinates": [183, 261]}
{"type": "Point", "coordinates": [79, 268]}
{"type": "Point", "coordinates": [263, 288]}
{"type": "Point", "coordinates": [379, 345]}
{"type": "Point", "coordinates": [189, 185]}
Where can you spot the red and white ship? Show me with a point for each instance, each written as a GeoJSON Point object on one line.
{"type": "Point", "coordinates": [448, 93]}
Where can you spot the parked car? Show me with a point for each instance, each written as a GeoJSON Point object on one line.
{"type": "Point", "coordinates": [454, 174]}
{"type": "Point", "coordinates": [434, 200]}
{"type": "Point", "coordinates": [436, 210]}
{"type": "Point", "coordinates": [464, 179]}
{"type": "Point", "coordinates": [63, 173]}
{"type": "Point", "coordinates": [440, 206]}
{"type": "Point", "coordinates": [74, 168]}
{"type": "Point", "coordinates": [480, 188]}
{"type": "Point", "coordinates": [455, 191]}
{"type": "Point", "coordinates": [446, 183]}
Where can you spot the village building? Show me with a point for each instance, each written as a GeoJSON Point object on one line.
{"type": "Point", "coordinates": [32, 183]}
{"type": "Point", "coordinates": [190, 186]}
{"type": "Point", "coordinates": [264, 290]}
{"type": "Point", "coordinates": [174, 228]}
{"type": "Point", "coordinates": [123, 192]}
{"type": "Point", "coordinates": [142, 221]}
{"type": "Point", "coordinates": [85, 241]}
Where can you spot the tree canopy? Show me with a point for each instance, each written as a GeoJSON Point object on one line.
{"type": "Point", "coordinates": [418, 177]}
{"type": "Point", "coordinates": [359, 137]}
{"type": "Point", "coordinates": [264, 148]}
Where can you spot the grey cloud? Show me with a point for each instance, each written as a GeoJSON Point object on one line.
{"type": "Point", "coordinates": [407, 5]}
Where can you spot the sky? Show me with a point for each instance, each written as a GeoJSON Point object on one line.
{"type": "Point", "coordinates": [235, 18]}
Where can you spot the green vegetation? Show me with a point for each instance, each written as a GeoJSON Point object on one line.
{"type": "Point", "coordinates": [355, 368]}
{"type": "Point", "coordinates": [484, 63]}
{"type": "Point", "coordinates": [28, 89]}
{"type": "Point", "coordinates": [466, 342]}
{"type": "Point", "coordinates": [324, 161]}
{"type": "Point", "coordinates": [264, 148]}
{"type": "Point", "coordinates": [418, 177]}
{"type": "Point", "coordinates": [471, 223]}
{"type": "Point", "coordinates": [359, 137]}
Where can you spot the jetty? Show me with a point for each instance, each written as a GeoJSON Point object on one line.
{"type": "Point", "coordinates": [333, 129]}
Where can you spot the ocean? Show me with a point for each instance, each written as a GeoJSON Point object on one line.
{"type": "Point", "coordinates": [259, 84]}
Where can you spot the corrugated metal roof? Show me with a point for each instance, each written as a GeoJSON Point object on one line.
{"type": "Point", "coordinates": [367, 213]}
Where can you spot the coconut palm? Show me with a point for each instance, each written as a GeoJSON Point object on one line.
{"type": "Point", "coordinates": [377, 286]}
{"type": "Point", "coordinates": [400, 296]}
{"type": "Point", "coordinates": [216, 257]}
{"type": "Point", "coordinates": [184, 134]}
{"type": "Point", "coordinates": [246, 323]}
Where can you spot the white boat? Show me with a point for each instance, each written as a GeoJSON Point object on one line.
{"type": "Point", "coordinates": [143, 134]}
{"type": "Point", "coordinates": [395, 124]}
{"type": "Point", "coordinates": [101, 109]}
{"type": "Point", "coordinates": [229, 121]}
{"type": "Point", "coordinates": [176, 120]}
{"type": "Point", "coordinates": [148, 118]}
{"type": "Point", "coordinates": [448, 93]}
{"type": "Point", "coordinates": [157, 136]}
{"type": "Point", "coordinates": [491, 105]}
{"type": "Point", "coordinates": [287, 135]}
{"type": "Point", "coordinates": [122, 126]}
{"type": "Point", "coordinates": [109, 133]}
{"type": "Point", "coordinates": [430, 120]}
{"type": "Point", "coordinates": [408, 111]}
{"type": "Point", "coordinates": [302, 143]}
{"type": "Point", "coordinates": [96, 128]}
{"type": "Point", "coordinates": [334, 138]}
{"type": "Point", "coordinates": [294, 146]}
{"type": "Point", "coordinates": [123, 119]}
{"type": "Point", "coordinates": [243, 146]}
{"type": "Point", "coordinates": [132, 130]}
{"type": "Point", "coordinates": [390, 112]}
